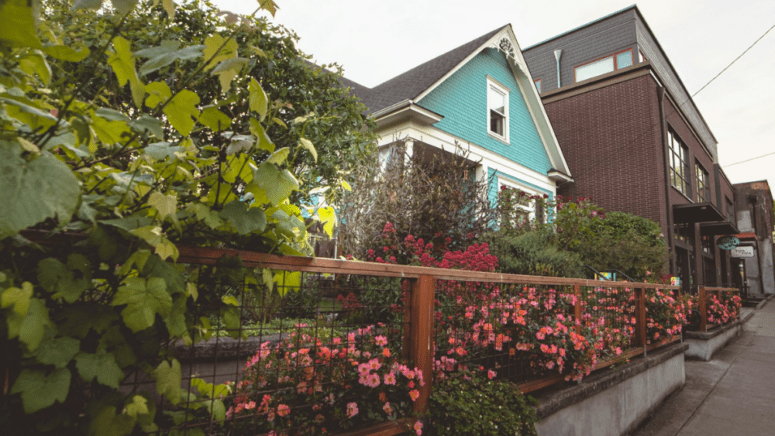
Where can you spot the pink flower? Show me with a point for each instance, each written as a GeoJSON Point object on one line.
{"type": "Point", "coordinates": [381, 340]}
{"type": "Point", "coordinates": [491, 374]}
{"type": "Point", "coordinates": [540, 335]}
{"type": "Point", "coordinates": [390, 378]}
{"type": "Point", "coordinates": [352, 409]}
{"type": "Point", "coordinates": [283, 410]}
{"type": "Point", "coordinates": [418, 428]}
{"type": "Point", "coordinates": [387, 408]}
{"type": "Point", "coordinates": [414, 394]}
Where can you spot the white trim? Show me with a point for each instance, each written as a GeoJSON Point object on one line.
{"type": "Point", "coordinates": [494, 85]}
{"type": "Point", "coordinates": [443, 140]}
{"type": "Point", "coordinates": [531, 209]}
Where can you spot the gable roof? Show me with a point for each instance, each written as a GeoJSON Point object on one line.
{"type": "Point", "coordinates": [412, 83]}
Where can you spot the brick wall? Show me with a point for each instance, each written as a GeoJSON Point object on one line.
{"type": "Point", "coordinates": [612, 142]}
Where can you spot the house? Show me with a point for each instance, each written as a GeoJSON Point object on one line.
{"type": "Point", "coordinates": [754, 218]}
{"type": "Point", "coordinates": [635, 141]}
{"type": "Point", "coordinates": [481, 96]}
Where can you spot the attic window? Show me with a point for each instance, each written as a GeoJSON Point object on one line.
{"type": "Point", "coordinates": [497, 110]}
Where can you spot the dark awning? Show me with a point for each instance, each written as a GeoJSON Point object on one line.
{"type": "Point", "coordinates": [696, 213]}
{"type": "Point", "coordinates": [718, 228]}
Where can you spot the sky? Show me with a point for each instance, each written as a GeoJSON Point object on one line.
{"type": "Point", "coordinates": [377, 40]}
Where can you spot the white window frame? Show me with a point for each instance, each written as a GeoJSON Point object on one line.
{"type": "Point", "coordinates": [494, 85]}
{"type": "Point", "coordinates": [531, 208]}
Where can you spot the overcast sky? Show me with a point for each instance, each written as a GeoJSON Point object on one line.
{"type": "Point", "coordinates": [377, 40]}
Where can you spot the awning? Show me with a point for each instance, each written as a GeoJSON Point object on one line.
{"type": "Point", "coordinates": [718, 228]}
{"type": "Point", "coordinates": [696, 213]}
{"type": "Point", "coordinates": [746, 236]}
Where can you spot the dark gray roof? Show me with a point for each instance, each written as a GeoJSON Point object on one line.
{"type": "Point", "coordinates": [413, 82]}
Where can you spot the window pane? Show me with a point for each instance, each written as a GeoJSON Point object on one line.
{"type": "Point", "coordinates": [595, 69]}
{"type": "Point", "coordinates": [497, 101]}
{"type": "Point", "coordinates": [624, 59]}
{"type": "Point", "coordinates": [496, 123]}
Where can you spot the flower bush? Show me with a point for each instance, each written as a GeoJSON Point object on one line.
{"type": "Point", "coordinates": [725, 309]}
{"type": "Point", "coordinates": [665, 314]}
{"type": "Point", "coordinates": [302, 384]}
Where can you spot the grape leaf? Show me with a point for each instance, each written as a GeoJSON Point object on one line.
{"type": "Point", "coordinates": [243, 219]}
{"type": "Point", "coordinates": [214, 119]}
{"type": "Point", "coordinates": [143, 299]}
{"type": "Point", "coordinates": [328, 217]}
{"type": "Point", "coordinates": [19, 298]}
{"type": "Point", "coordinates": [29, 328]}
{"type": "Point", "coordinates": [101, 366]}
{"type": "Point", "coordinates": [57, 351]}
{"type": "Point", "coordinates": [258, 99]}
{"type": "Point", "coordinates": [122, 61]}
{"type": "Point", "coordinates": [212, 45]}
{"type": "Point", "coordinates": [168, 380]}
{"type": "Point", "coordinates": [182, 110]}
{"type": "Point", "coordinates": [40, 390]}
{"type": "Point", "coordinates": [276, 183]}
{"type": "Point", "coordinates": [33, 191]}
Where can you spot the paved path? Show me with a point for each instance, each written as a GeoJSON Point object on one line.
{"type": "Point", "coordinates": [733, 394]}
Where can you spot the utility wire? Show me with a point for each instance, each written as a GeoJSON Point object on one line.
{"type": "Point", "coordinates": [600, 162]}
{"type": "Point", "coordinates": [730, 64]}
{"type": "Point", "coordinates": [748, 160]}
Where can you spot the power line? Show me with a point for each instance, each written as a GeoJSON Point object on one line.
{"type": "Point", "coordinates": [680, 105]}
{"type": "Point", "coordinates": [730, 64]}
{"type": "Point", "coordinates": [748, 160]}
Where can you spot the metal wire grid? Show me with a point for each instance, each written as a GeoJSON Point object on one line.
{"type": "Point", "coordinates": [521, 331]}
{"type": "Point", "coordinates": [281, 343]}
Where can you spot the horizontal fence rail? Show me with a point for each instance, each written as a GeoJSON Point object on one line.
{"type": "Point", "coordinates": [328, 333]}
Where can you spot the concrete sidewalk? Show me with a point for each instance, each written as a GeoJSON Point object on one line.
{"type": "Point", "coordinates": [733, 394]}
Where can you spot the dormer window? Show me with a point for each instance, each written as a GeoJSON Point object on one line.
{"type": "Point", "coordinates": [497, 110]}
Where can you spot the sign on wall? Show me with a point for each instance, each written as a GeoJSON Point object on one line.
{"type": "Point", "coordinates": [742, 252]}
{"type": "Point", "coordinates": [727, 242]}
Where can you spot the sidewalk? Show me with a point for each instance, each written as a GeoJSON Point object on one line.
{"type": "Point", "coordinates": [733, 394]}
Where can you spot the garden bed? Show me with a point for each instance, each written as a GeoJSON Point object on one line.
{"type": "Point", "coordinates": [703, 345]}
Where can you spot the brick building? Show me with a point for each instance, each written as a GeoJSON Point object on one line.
{"type": "Point", "coordinates": [635, 141]}
{"type": "Point", "coordinates": [754, 218]}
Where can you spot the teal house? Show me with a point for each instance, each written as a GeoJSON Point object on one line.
{"type": "Point", "coordinates": [479, 96]}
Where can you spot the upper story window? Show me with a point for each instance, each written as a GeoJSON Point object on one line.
{"type": "Point", "coordinates": [538, 85]}
{"type": "Point", "coordinates": [679, 164]}
{"type": "Point", "coordinates": [730, 211]}
{"type": "Point", "coordinates": [703, 188]}
{"type": "Point", "coordinates": [605, 65]}
{"type": "Point", "coordinates": [497, 110]}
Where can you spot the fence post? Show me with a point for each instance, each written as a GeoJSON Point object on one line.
{"type": "Point", "coordinates": [421, 341]}
{"type": "Point", "coordinates": [577, 307]}
{"type": "Point", "coordinates": [703, 303]}
{"type": "Point", "coordinates": [640, 318]}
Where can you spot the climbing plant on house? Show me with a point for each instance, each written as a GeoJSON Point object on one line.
{"type": "Point", "coordinates": [122, 135]}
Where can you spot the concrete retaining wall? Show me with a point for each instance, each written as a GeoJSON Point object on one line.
{"type": "Point", "coordinates": [703, 345]}
{"type": "Point", "coordinates": [616, 401]}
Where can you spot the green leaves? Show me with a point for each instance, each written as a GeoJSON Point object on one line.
{"type": "Point", "coordinates": [34, 191]}
{"type": "Point", "coordinates": [243, 219]}
{"type": "Point", "coordinates": [58, 352]}
{"type": "Point", "coordinates": [18, 27]}
{"type": "Point", "coordinates": [328, 217]}
{"type": "Point", "coordinates": [258, 100]}
{"type": "Point", "coordinates": [67, 282]}
{"type": "Point", "coordinates": [167, 53]}
{"type": "Point", "coordinates": [182, 111]}
{"type": "Point", "coordinates": [40, 390]}
{"type": "Point", "coordinates": [101, 366]}
{"type": "Point", "coordinates": [168, 380]}
{"type": "Point", "coordinates": [144, 299]}
{"type": "Point", "coordinates": [277, 184]}
{"type": "Point", "coordinates": [122, 62]}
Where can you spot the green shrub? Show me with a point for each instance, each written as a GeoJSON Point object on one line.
{"type": "Point", "coordinates": [534, 253]}
{"type": "Point", "coordinates": [474, 405]}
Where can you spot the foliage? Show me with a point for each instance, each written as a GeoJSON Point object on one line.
{"type": "Point", "coordinates": [433, 195]}
{"type": "Point", "coordinates": [533, 253]}
{"type": "Point", "coordinates": [307, 103]}
{"type": "Point", "coordinates": [613, 240]}
{"type": "Point", "coordinates": [470, 404]}
{"type": "Point", "coordinates": [123, 135]}
{"type": "Point", "coordinates": [666, 315]}
{"type": "Point", "coordinates": [305, 385]}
